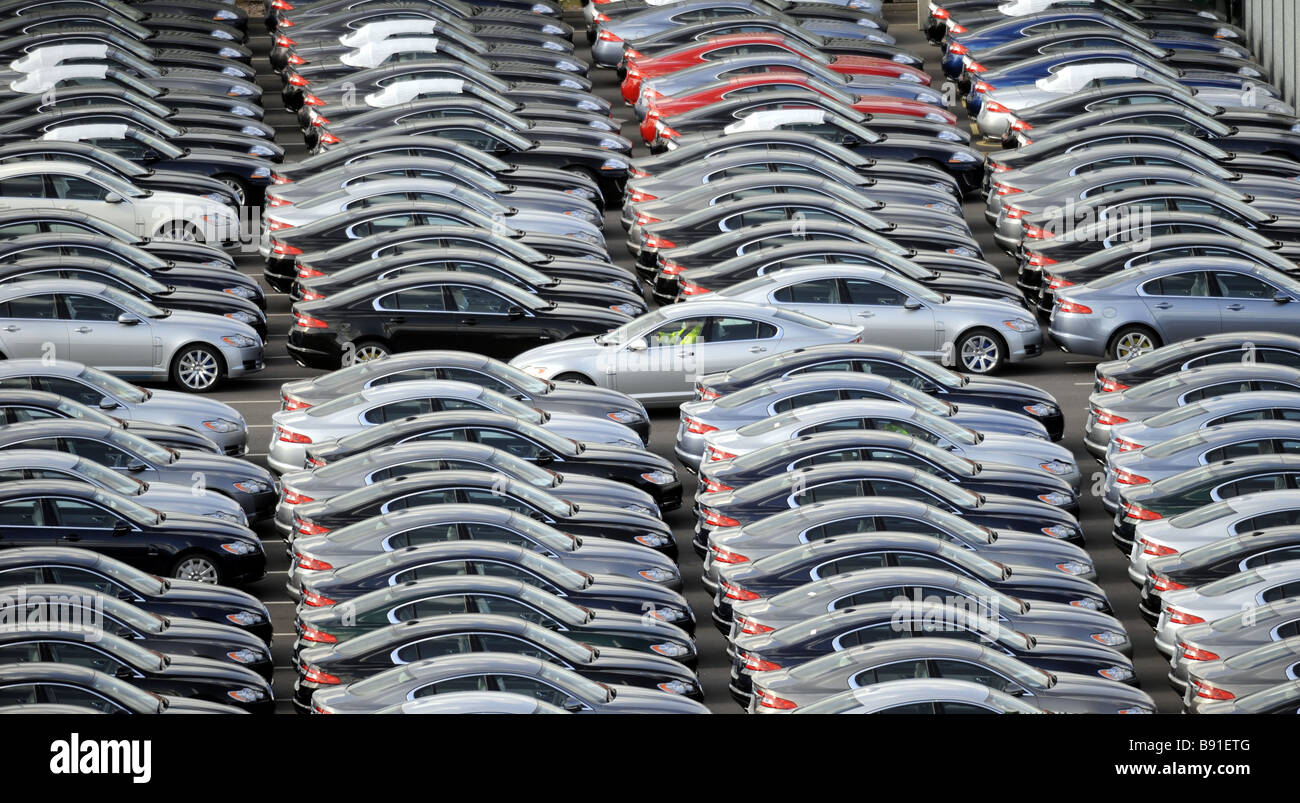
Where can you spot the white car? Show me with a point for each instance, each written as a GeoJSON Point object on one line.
{"type": "Point", "coordinates": [149, 214]}
{"type": "Point", "coordinates": [295, 430]}
{"type": "Point", "coordinates": [1209, 602]}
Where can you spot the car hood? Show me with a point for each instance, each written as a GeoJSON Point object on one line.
{"type": "Point", "coordinates": [210, 669]}
{"type": "Point", "coordinates": [1078, 693]}
{"type": "Point", "coordinates": [587, 427]}
{"type": "Point", "coordinates": [170, 406]}
{"type": "Point", "coordinates": [1002, 387]}
{"type": "Point", "coordinates": [636, 700]}
{"type": "Point", "coordinates": [572, 396]}
{"type": "Point", "coordinates": [990, 419]}
{"type": "Point", "coordinates": [576, 348]}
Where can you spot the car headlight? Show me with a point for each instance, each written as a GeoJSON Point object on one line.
{"type": "Point", "coordinates": [252, 486]}
{"type": "Point", "coordinates": [568, 83]}
{"type": "Point", "coordinates": [239, 548]}
{"type": "Point", "coordinates": [589, 105]}
{"type": "Point", "coordinates": [552, 30]}
{"type": "Point", "coordinates": [1075, 567]}
{"type": "Point", "coordinates": [251, 130]}
{"type": "Point", "coordinates": [536, 370]}
{"type": "Point", "coordinates": [951, 136]}
{"type": "Point", "coordinates": [611, 144]}
{"type": "Point", "coordinates": [233, 72]}
{"type": "Point", "coordinates": [1120, 673]}
{"type": "Point", "coordinates": [613, 164]}
{"type": "Point", "coordinates": [649, 511]}
{"type": "Point", "coordinates": [244, 656]}
{"type": "Point", "coordinates": [242, 292]}
{"type": "Point", "coordinates": [541, 8]}
{"type": "Point", "coordinates": [243, 317]}
{"type": "Point", "coordinates": [244, 618]}
{"type": "Point", "coordinates": [246, 695]}
{"type": "Point", "coordinates": [261, 172]}
{"type": "Point", "coordinates": [229, 53]}
{"type": "Point", "coordinates": [1109, 638]}
{"type": "Point", "coordinates": [659, 477]}
{"type": "Point", "coordinates": [1040, 409]}
{"type": "Point", "coordinates": [1020, 325]}
{"type": "Point", "coordinates": [626, 309]}
{"type": "Point", "coordinates": [239, 341]}
{"type": "Point", "coordinates": [671, 649]}
{"type": "Point", "coordinates": [668, 614]}
{"type": "Point", "coordinates": [963, 156]}
{"type": "Point", "coordinates": [552, 46]}
{"type": "Point", "coordinates": [582, 192]}
{"type": "Point", "coordinates": [239, 91]}
{"type": "Point", "coordinates": [629, 444]}
{"type": "Point", "coordinates": [585, 237]}
{"type": "Point", "coordinates": [902, 58]}
{"type": "Point", "coordinates": [260, 150]}
{"type": "Point", "coordinates": [222, 425]}
{"type": "Point", "coordinates": [220, 34]}
{"type": "Point", "coordinates": [657, 575]}
{"type": "Point", "coordinates": [1058, 498]}
{"type": "Point", "coordinates": [213, 197]}
{"type": "Point", "coordinates": [568, 66]}
{"type": "Point", "coordinates": [622, 285]}
{"type": "Point", "coordinates": [653, 540]}
{"type": "Point", "coordinates": [1136, 709]}
{"type": "Point", "coordinates": [675, 686]}
{"type": "Point", "coordinates": [1087, 603]}
{"type": "Point", "coordinates": [1059, 531]}
{"type": "Point", "coordinates": [1057, 467]}
{"type": "Point", "coordinates": [624, 416]}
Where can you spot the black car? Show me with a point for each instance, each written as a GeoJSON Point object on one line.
{"type": "Point", "coordinates": [1201, 486]}
{"type": "Point", "coordinates": [479, 594]}
{"type": "Point", "coordinates": [865, 624]}
{"type": "Point", "coordinates": [165, 673]}
{"type": "Point", "coordinates": [125, 449]}
{"type": "Point", "coordinates": [167, 598]}
{"type": "Point", "coordinates": [901, 366]}
{"type": "Point", "coordinates": [46, 602]}
{"type": "Point", "coordinates": [22, 404]}
{"type": "Point", "coordinates": [76, 17]}
{"type": "Point", "coordinates": [47, 683]}
{"type": "Point", "coordinates": [37, 513]}
{"type": "Point", "coordinates": [484, 488]}
{"type": "Point", "coordinates": [1214, 561]}
{"type": "Point", "coordinates": [639, 467]}
{"type": "Point", "coordinates": [495, 559]}
{"type": "Point", "coordinates": [878, 478]}
{"type": "Point", "coordinates": [1273, 348]}
{"type": "Point", "coordinates": [140, 285]}
{"type": "Point", "coordinates": [456, 634]}
{"type": "Point", "coordinates": [448, 309]}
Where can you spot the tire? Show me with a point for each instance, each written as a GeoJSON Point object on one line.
{"type": "Point", "coordinates": [576, 378]}
{"type": "Point", "coordinates": [367, 350]}
{"type": "Point", "coordinates": [197, 566]}
{"type": "Point", "coordinates": [1131, 341]}
{"type": "Point", "coordinates": [980, 351]}
{"type": "Point", "coordinates": [181, 231]}
{"type": "Point", "coordinates": [197, 368]}
{"type": "Point", "coordinates": [236, 186]}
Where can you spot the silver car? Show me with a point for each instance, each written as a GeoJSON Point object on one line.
{"type": "Point", "coordinates": [294, 430]}
{"type": "Point", "coordinates": [1232, 635]}
{"type": "Point", "coordinates": [124, 335]}
{"type": "Point", "coordinates": [658, 357]}
{"type": "Point", "coordinates": [868, 665]}
{"type": "Point", "coordinates": [767, 399]}
{"type": "Point", "coordinates": [377, 465]}
{"type": "Point", "coordinates": [49, 464]}
{"type": "Point", "coordinates": [922, 696]}
{"type": "Point", "coordinates": [1239, 515]}
{"type": "Point", "coordinates": [120, 399]}
{"type": "Point", "coordinates": [1256, 405]}
{"type": "Point", "coordinates": [1272, 582]}
{"type": "Point", "coordinates": [1199, 448]}
{"type": "Point", "coordinates": [1139, 309]}
{"type": "Point", "coordinates": [981, 334]}
{"type": "Point", "coordinates": [1033, 454]}
{"type": "Point", "coordinates": [1148, 399]}
{"type": "Point", "coordinates": [432, 524]}
{"type": "Point", "coordinates": [1239, 675]}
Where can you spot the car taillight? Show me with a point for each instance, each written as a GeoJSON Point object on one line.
{"type": "Point", "coordinates": [669, 268]}
{"type": "Point", "coordinates": [1161, 583]}
{"type": "Point", "coordinates": [1015, 213]}
{"type": "Point", "coordinates": [975, 66]}
{"type": "Point", "coordinates": [1057, 282]}
{"type": "Point", "coordinates": [295, 79]}
{"type": "Point", "coordinates": [289, 436]}
{"type": "Point", "coordinates": [957, 28]}
{"type": "Point", "coordinates": [284, 249]}
{"type": "Point", "coordinates": [651, 241]}
{"type": "Point", "coordinates": [1109, 385]}
{"type": "Point", "coordinates": [998, 167]}
{"type": "Point", "coordinates": [276, 178]}
{"type": "Point", "coordinates": [713, 486]}
{"type": "Point", "coordinates": [328, 138]}
{"type": "Point", "coordinates": [668, 132]}
{"type": "Point", "coordinates": [1195, 653]}
{"type": "Point", "coordinates": [737, 593]}
{"type": "Point", "coordinates": [314, 675]}
{"type": "Point", "coordinates": [1211, 692]}
{"type": "Point", "coordinates": [1072, 307]}
{"type": "Point", "coordinates": [1153, 549]}
{"type": "Point", "coordinates": [750, 627]}
{"type": "Point", "coordinates": [721, 555]}
{"type": "Point", "coordinates": [311, 100]}
{"type": "Point", "coordinates": [1035, 232]}
{"type": "Point", "coordinates": [958, 49]}
{"type": "Point", "coordinates": [273, 224]}
{"type": "Point", "coordinates": [1038, 260]}
{"type": "Point", "coordinates": [308, 322]}
{"type": "Point", "coordinates": [697, 426]}
{"type": "Point", "coordinates": [637, 196]}
{"type": "Point", "coordinates": [716, 519]}
{"type": "Point", "coordinates": [310, 528]}
{"type": "Point", "coordinates": [608, 36]}
{"type": "Point", "coordinates": [693, 289]}
{"type": "Point", "coordinates": [1006, 189]}
{"type": "Point", "coordinates": [305, 272]}
{"type": "Point", "coordinates": [281, 5]}
{"type": "Point", "coordinates": [295, 498]}
{"type": "Point", "coordinates": [1108, 419]}
{"type": "Point", "coordinates": [755, 664]}
{"type": "Point", "coordinates": [718, 454]}
{"type": "Point", "coordinates": [1019, 125]}
{"type": "Point", "coordinates": [288, 402]}
{"type": "Point", "coordinates": [1135, 511]}
{"type": "Point", "coordinates": [314, 600]}
{"type": "Point", "coordinates": [311, 295]}
{"type": "Point", "coordinates": [636, 172]}
{"type": "Point", "coordinates": [1125, 445]}
{"type": "Point", "coordinates": [767, 699]}
{"type": "Point", "coordinates": [1181, 617]}
{"type": "Point", "coordinates": [317, 636]}
{"type": "Point", "coordinates": [600, 17]}
{"type": "Point", "coordinates": [314, 462]}
{"type": "Point", "coordinates": [272, 201]}
{"type": "Point", "coordinates": [310, 563]}
{"type": "Point", "coordinates": [284, 41]}
{"type": "Point", "coordinates": [940, 13]}
{"type": "Point", "coordinates": [1129, 478]}
{"type": "Point", "coordinates": [704, 393]}
{"type": "Point", "coordinates": [993, 106]}
{"type": "Point", "coordinates": [645, 220]}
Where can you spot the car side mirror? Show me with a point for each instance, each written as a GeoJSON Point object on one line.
{"type": "Point", "coordinates": [544, 458]}
{"type": "Point", "coordinates": [911, 305]}
{"type": "Point", "coordinates": [515, 313]}
{"type": "Point", "coordinates": [572, 705]}
{"type": "Point", "coordinates": [135, 465]}
{"type": "Point", "coordinates": [120, 528]}
{"type": "Point", "coordinates": [639, 344]}
{"type": "Point", "coordinates": [128, 319]}
{"type": "Point", "coordinates": [1282, 298]}
{"type": "Point", "coordinates": [113, 198]}
{"type": "Point", "coordinates": [108, 404]}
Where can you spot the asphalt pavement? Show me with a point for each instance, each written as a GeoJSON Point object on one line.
{"type": "Point", "coordinates": [1066, 377]}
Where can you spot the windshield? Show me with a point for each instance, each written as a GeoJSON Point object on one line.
{"type": "Point", "coordinates": [542, 500]}
{"type": "Point", "coordinates": [107, 477]}
{"type": "Point", "coordinates": [932, 370]}
{"type": "Point", "coordinates": [1284, 694]}
{"type": "Point", "coordinates": [126, 507]}
{"type": "Point", "coordinates": [72, 409]}
{"type": "Point", "coordinates": [1229, 584]}
{"type": "Point", "coordinates": [114, 183]}
{"type": "Point", "coordinates": [1263, 656]}
{"type": "Point", "coordinates": [131, 303]}
{"type": "Point", "coordinates": [571, 681]}
{"type": "Point", "coordinates": [112, 386]}
{"type": "Point", "coordinates": [146, 449]}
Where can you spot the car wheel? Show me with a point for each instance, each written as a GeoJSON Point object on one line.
{"type": "Point", "coordinates": [236, 187]}
{"type": "Point", "coordinates": [179, 230]}
{"type": "Point", "coordinates": [197, 567]}
{"type": "Point", "coordinates": [1131, 341]}
{"type": "Point", "coordinates": [980, 352]}
{"type": "Point", "coordinates": [197, 368]}
{"type": "Point", "coordinates": [368, 350]}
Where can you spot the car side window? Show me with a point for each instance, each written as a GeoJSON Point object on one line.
{"type": "Point", "coordinates": [531, 687]}
{"type": "Point", "coordinates": [805, 399]}
{"type": "Point", "coordinates": [505, 606]}
{"type": "Point", "coordinates": [818, 291]}
{"type": "Point", "coordinates": [478, 300]}
{"type": "Point", "coordinates": [477, 378]}
{"type": "Point", "coordinates": [509, 442]}
{"type": "Point", "coordinates": [894, 488]}
{"type": "Point", "coordinates": [1280, 518]}
{"type": "Point", "coordinates": [75, 513]}
{"type": "Point", "coordinates": [455, 644]}
{"type": "Point", "coordinates": [838, 426]}
{"type": "Point", "coordinates": [1281, 592]}
{"type": "Point", "coordinates": [71, 388]}
{"type": "Point", "coordinates": [1272, 556]}
{"type": "Point", "coordinates": [432, 534]}
{"type": "Point", "coordinates": [41, 307]}
{"type": "Point", "coordinates": [87, 656]}
{"type": "Point", "coordinates": [853, 526]}
{"type": "Point", "coordinates": [413, 375]}
{"type": "Point", "coordinates": [1216, 390]}
{"type": "Point", "coordinates": [76, 188]}
{"type": "Point", "coordinates": [903, 427]}
{"type": "Point", "coordinates": [398, 410]}
{"type": "Point", "coordinates": [846, 489]}
{"type": "Point", "coordinates": [22, 513]}
{"type": "Point", "coordinates": [89, 308]}
{"type": "Point", "coordinates": [965, 670]}
{"type": "Point", "coordinates": [71, 695]}
{"type": "Point", "coordinates": [100, 452]}
{"type": "Point", "coordinates": [1238, 450]}
{"type": "Point", "coordinates": [416, 299]}
{"type": "Point", "coordinates": [435, 606]}
{"type": "Point", "coordinates": [1192, 284]}
{"type": "Point", "coordinates": [723, 330]}
{"type": "Point", "coordinates": [1237, 285]}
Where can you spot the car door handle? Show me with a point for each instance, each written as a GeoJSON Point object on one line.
{"type": "Point", "coordinates": [1163, 305]}
{"type": "Point", "coordinates": [866, 314]}
{"type": "Point", "coordinates": [756, 350]}
{"type": "Point", "coordinates": [70, 537]}
{"type": "Point", "coordinates": [397, 320]}
{"type": "Point", "coordinates": [83, 330]}
{"type": "Point", "coordinates": [12, 328]}
{"type": "Point", "coordinates": [467, 321]}
{"type": "Point", "coordinates": [1236, 307]}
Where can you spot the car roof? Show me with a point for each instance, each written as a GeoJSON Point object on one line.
{"type": "Point", "coordinates": [28, 287]}
{"type": "Point", "coordinates": [55, 428]}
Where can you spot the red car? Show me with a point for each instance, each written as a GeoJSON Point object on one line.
{"type": "Point", "coordinates": [660, 107]}
{"type": "Point", "coordinates": [744, 44]}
